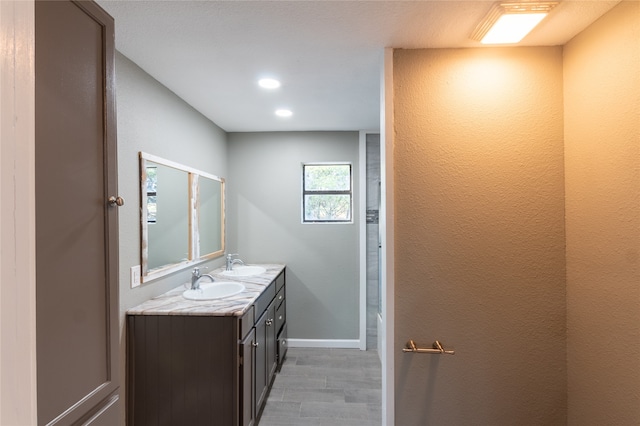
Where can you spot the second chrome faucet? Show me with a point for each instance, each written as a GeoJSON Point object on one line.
{"type": "Point", "coordinates": [231, 261]}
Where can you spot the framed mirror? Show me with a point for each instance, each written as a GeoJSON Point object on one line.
{"type": "Point", "coordinates": [182, 216]}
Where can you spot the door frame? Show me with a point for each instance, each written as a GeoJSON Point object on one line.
{"type": "Point", "coordinates": [18, 395]}
{"type": "Point", "coordinates": [387, 320]}
{"type": "Point", "coordinates": [362, 228]}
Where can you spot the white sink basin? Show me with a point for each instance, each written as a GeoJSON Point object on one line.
{"type": "Point", "coordinates": [214, 290]}
{"type": "Point", "coordinates": [244, 271]}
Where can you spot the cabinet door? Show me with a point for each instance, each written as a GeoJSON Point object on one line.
{"type": "Point", "coordinates": [282, 346]}
{"type": "Point", "coordinates": [247, 366]}
{"type": "Point", "coordinates": [272, 344]}
{"type": "Point", "coordinates": [261, 361]}
{"type": "Point", "coordinates": [76, 227]}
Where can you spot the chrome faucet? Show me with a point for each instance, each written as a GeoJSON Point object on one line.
{"type": "Point", "coordinates": [196, 276]}
{"type": "Point", "coordinates": [231, 261]}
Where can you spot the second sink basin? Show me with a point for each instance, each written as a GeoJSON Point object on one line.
{"type": "Point", "coordinates": [244, 271]}
{"type": "Point", "coordinates": [214, 290]}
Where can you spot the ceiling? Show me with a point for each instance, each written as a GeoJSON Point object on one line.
{"type": "Point", "coordinates": [326, 53]}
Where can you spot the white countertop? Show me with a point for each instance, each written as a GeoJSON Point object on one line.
{"type": "Point", "coordinates": [172, 302]}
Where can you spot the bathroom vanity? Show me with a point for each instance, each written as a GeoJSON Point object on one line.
{"type": "Point", "coordinates": [206, 362]}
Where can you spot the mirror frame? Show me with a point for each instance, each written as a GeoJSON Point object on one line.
{"type": "Point", "coordinates": [194, 257]}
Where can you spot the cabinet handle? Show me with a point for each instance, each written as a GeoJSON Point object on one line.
{"type": "Point", "coordinates": [254, 344]}
{"type": "Point", "coordinates": [269, 321]}
{"type": "Point", "coordinates": [280, 298]}
{"type": "Point", "coordinates": [284, 342]}
{"type": "Point", "coordinates": [280, 317]}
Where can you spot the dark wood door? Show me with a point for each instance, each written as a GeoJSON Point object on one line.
{"type": "Point", "coordinates": [247, 404]}
{"type": "Point", "coordinates": [272, 361]}
{"type": "Point", "coordinates": [260, 385]}
{"type": "Point", "coordinates": [76, 227]}
{"type": "Point", "coordinates": [265, 355]}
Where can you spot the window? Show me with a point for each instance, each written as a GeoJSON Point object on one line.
{"type": "Point", "coordinates": [152, 188]}
{"type": "Point", "coordinates": [326, 193]}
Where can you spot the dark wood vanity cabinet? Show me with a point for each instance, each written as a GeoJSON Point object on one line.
{"type": "Point", "coordinates": [247, 378]}
{"type": "Point", "coordinates": [205, 370]}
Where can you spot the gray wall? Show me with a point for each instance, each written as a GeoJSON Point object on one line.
{"type": "Point", "coordinates": [264, 225]}
{"type": "Point", "coordinates": [154, 120]}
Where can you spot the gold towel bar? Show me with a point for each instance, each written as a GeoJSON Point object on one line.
{"type": "Point", "coordinates": [437, 349]}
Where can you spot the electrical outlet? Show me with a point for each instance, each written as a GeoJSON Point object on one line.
{"type": "Point", "coordinates": [135, 276]}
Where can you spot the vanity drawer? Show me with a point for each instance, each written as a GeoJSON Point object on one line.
{"type": "Point", "coordinates": [283, 346]}
{"type": "Point", "coordinates": [281, 315]}
{"type": "Point", "coordinates": [262, 303]}
{"type": "Point", "coordinates": [246, 322]}
{"type": "Point", "coordinates": [280, 281]}
{"type": "Point", "coordinates": [280, 297]}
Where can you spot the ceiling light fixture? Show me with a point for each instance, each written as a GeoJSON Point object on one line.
{"type": "Point", "coordinates": [283, 113]}
{"type": "Point", "coordinates": [269, 83]}
{"type": "Point", "coordinates": [510, 22]}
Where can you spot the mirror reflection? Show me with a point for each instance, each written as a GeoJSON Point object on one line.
{"type": "Point", "coordinates": [167, 215]}
{"type": "Point", "coordinates": [210, 215]}
{"type": "Point", "coordinates": [182, 216]}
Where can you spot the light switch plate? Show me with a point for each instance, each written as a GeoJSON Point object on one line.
{"type": "Point", "coordinates": [135, 276]}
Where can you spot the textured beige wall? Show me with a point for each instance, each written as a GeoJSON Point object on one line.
{"type": "Point", "coordinates": [479, 236]}
{"type": "Point", "coordinates": [602, 164]}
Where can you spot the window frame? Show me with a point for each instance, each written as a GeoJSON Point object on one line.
{"type": "Point", "coordinates": [348, 192]}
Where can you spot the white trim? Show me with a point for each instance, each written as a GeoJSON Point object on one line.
{"type": "Point", "coordinates": [321, 343]}
{"type": "Point", "coordinates": [387, 239]}
{"type": "Point", "coordinates": [150, 157]}
{"type": "Point", "coordinates": [379, 325]}
{"type": "Point", "coordinates": [18, 405]}
{"type": "Point", "coordinates": [362, 219]}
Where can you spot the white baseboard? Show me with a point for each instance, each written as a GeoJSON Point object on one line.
{"type": "Point", "coordinates": [380, 334]}
{"type": "Point", "coordinates": [321, 343]}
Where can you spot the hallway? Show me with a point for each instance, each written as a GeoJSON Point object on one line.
{"type": "Point", "coordinates": [326, 387]}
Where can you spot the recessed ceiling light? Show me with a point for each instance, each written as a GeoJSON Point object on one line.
{"type": "Point", "coordinates": [269, 83]}
{"type": "Point", "coordinates": [510, 22]}
{"type": "Point", "coordinates": [283, 113]}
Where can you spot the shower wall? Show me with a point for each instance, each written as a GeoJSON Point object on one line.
{"type": "Point", "coordinates": [373, 240]}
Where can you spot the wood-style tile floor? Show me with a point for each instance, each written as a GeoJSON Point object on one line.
{"type": "Point", "coordinates": [326, 387]}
